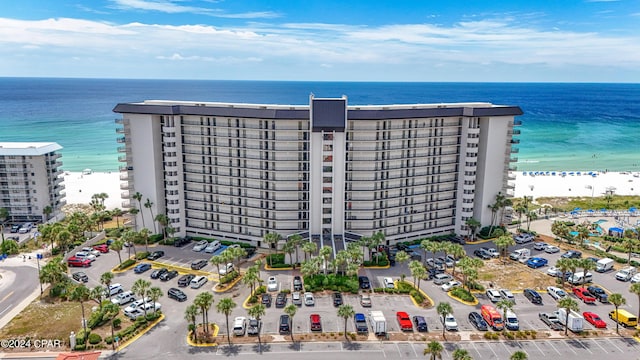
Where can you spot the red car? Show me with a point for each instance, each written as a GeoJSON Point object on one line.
{"type": "Point", "coordinates": [584, 295]}
{"type": "Point", "coordinates": [77, 262]}
{"type": "Point", "coordinates": [594, 319]}
{"type": "Point", "coordinates": [316, 325]}
{"type": "Point", "coordinates": [104, 248]}
{"type": "Point", "coordinates": [404, 321]}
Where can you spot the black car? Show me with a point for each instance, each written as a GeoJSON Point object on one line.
{"type": "Point", "coordinates": [420, 323]}
{"type": "Point", "coordinates": [598, 293]}
{"type": "Point", "coordinates": [198, 264]}
{"type": "Point", "coordinates": [177, 294]}
{"type": "Point", "coordinates": [281, 300]}
{"type": "Point", "coordinates": [533, 296]}
{"type": "Point", "coordinates": [297, 283]}
{"type": "Point", "coordinates": [15, 228]}
{"type": "Point", "coordinates": [185, 280]}
{"type": "Point", "coordinates": [80, 277]}
{"type": "Point", "coordinates": [482, 254]}
{"type": "Point", "coordinates": [364, 283]}
{"type": "Point", "coordinates": [250, 251]}
{"type": "Point", "coordinates": [337, 299]}
{"type": "Point", "coordinates": [157, 273]}
{"type": "Point", "coordinates": [155, 255]}
{"type": "Point", "coordinates": [181, 241]}
{"type": "Point", "coordinates": [284, 327]}
{"type": "Point", "coordinates": [477, 321]}
{"type": "Point", "coordinates": [266, 299]}
{"type": "Point", "coordinates": [169, 275]}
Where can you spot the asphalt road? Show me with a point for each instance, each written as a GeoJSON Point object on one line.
{"type": "Point", "coordinates": [17, 283]}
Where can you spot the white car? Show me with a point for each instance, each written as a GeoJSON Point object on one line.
{"type": "Point", "coordinates": [91, 251]}
{"type": "Point", "coordinates": [523, 238]}
{"type": "Point", "coordinates": [494, 295]}
{"type": "Point", "coordinates": [135, 305]}
{"type": "Point", "coordinates": [507, 295]}
{"type": "Point", "coordinates": [450, 285]}
{"type": "Point", "coordinates": [149, 306]}
{"type": "Point", "coordinates": [635, 278]}
{"type": "Point", "coordinates": [388, 283]}
{"type": "Point", "coordinates": [201, 245]}
{"type": "Point", "coordinates": [85, 256]}
{"type": "Point", "coordinates": [308, 299]}
{"type": "Point", "coordinates": [556, 292]}
{"type": "Point", "coordinates": [449, 322]}
{"type": "Point", "coordinates": [552, 249]}
{"type": "Point", "coordinates": [226, 269]}
{"type": "Point", "coordinates": [123, 298]}
{"type": "Point", "coordinates": [494, 252]}
{"type": "Point", "coordinates": [540, 246]}
{"type": "Point", "coordinates": [296, 298]}
{"type": "Point", "coordinates": [212, 247]}
{"type": "Point", "coordinates": [554, 271]}
{"type": "Point", "coordinates": [239, 326]}
{"type": "Point", "coordinates": [272, 284]}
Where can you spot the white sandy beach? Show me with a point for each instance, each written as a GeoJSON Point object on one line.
{"type": "Point", "coordinates": [80, 188]}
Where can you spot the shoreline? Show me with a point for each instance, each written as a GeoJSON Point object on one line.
{"type": "Point", "coordinates": [80, 187]}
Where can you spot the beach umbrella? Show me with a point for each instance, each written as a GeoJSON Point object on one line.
{"type": "Point", "coordinates": [632, 209]}
{"type": "Point", "coordinates": [590, 211]}
{"type": "Point", "coordinates": [603, 210]}
{"type": "Point", "coordinates": [577, 209]}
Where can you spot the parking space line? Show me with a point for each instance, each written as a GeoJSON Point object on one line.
{"type": "Point", "coordinates": [398, 348]}
{"type": "Point", "coordinates": [476, 349]}
{"type": "Point", "coordinates": [569, 347]}
{"type": "Point", "coordinates": [535, 343]}
{"type": "Point", "coordinates": [493, 351]}
{"type": "Point", "coordinates": [414, 350]}
{"type": "Point", "coordinates": [616, 346]}
{"type": "Point", "coordinates": [584, 346]}
{"type": "Point", "coordinates": [600, 346]}
{"type": "Point", "coordinates": [554, 348]}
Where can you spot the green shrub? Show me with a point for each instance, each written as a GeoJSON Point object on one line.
{"type": "Point", "coordinates": [415, 294]}
{"type": "Point", "coordinates": [142, 255]}
{"type": "Point", "coordinates": [94, 339]}
{"type": "Point", "coordinates": [155, 238]}
{"type": "Point", "coordinates": [280, 266]}
{"type": "Point", "coordinates": [168, 241]}
{"type": "Point", "coordinates": [261, 290]}
{"type": "Point", "coordinates": [252, 299]}
{"type": "Point", "coordinates": [80, 347]}
{"type": "Point", "coordinates": [229, 277]}
{"type": "Point", "coordinates": [126, 264]}
{"type": "Point", "coordinates": [117, 322]}
{"type": "Point", "coordinates": [275, 259]}
{"type": "Point", "coordinates": [95, 320]}
{"type": "Point", "coordinates": [462, 294]}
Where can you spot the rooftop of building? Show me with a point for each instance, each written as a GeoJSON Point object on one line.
{"type": "Point", "coordinates": [27, 148]}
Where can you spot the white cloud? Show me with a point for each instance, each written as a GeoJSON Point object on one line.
{"type": "Point", "coordinates": [175, 7]}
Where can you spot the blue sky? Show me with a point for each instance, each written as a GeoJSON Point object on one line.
{"type": "Point", "coordinates": [329, 40]}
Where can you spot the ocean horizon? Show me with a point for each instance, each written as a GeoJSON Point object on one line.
{"type": "Point", "coordinates": [566, 126]}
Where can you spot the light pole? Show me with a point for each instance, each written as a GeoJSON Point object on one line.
{"type": "Point", "coordinates": [38, 257]}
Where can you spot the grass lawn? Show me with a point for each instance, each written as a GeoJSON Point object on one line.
{"type": "Point", "coordinates": [617, 202]}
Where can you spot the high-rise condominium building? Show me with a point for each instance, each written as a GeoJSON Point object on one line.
{"type": "Point", "coordinates": [325, 170]}
{"type": "Point", "coordinates": [30, 182]}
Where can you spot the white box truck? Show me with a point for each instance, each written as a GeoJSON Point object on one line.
{"type": "Point", "coordinates": [378, 323]}
{"type": "Point", "coordinates": [604, 265]}
{"type": "Point", "coordinates": [574, 322]}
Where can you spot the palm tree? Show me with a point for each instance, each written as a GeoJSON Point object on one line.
{"type": "Point", "coordinates": [503, 243]}
{"type": "Point", "coordinates": [251, 277]}
{"type": "Point", "coordinates": [564, 265]}
{"type": "Point", "coordinates": [140, 288]}
{"type": "Point", "coordinates": [585, 265]}
{"type": "Point", "coordinates": [272, 239]}
{"type": "Point", "coordinates": [469, 268]}
{"type": "Point", "coordinates": [325, 254]}
{"type": "Point", "coordinates": [204, 301]}
{"type": "Point", "coordinates": [257, 312]}
{"type": "Point", "coordinates": [402, 257]}
{"type": "Point", "coordinates": [635, 289]}
{"type": "Point", "coordinates": [149, 204]}
{"type": "Point", "coordinates": [443, 309]}
{"type": "Point", "coordinates": [417, 272]}
{"type": "Point", "coordinates": [4, 214]}
{"type": "Point", "coordinates": [310, 267]}
{"type": "Point", "coordinates": [289, 248]}
{"type": "Point", "coordinates": [346, 312]}
{"type": "Point", "coordinates": [144, 234]}
{"type": "Point", "coordinates": [138, 196]}
{"type": "Point", "coordinates": [629, 244]}
{"type": "Point", "coordinates": [434, 348]}
{"type": "Point", "coordinates": [81, 294]}
{"type": "Point", "coordinates": [106, 279]}
{"type": "Point", "coordinates": [117, 213]}
{"type": "Point", "coordinates": [46, 211]}
{"type": "Point", "coordinates": [473, 225]}
{"type": "Point", "coordinates": [458, 252]}
{"type": "Point", "coordinates": [291, 311]}
{"type": "Point", "coordinates": [190, 314]}
{"type": "Point", "coordinates": [62, 239]}
{"type": "Point", "coordinates": [217, 260]}
{"type": "Point", "coordinates": [154, 294]}
{"type": "Point", "coordinates": [519, 355]}
{"type": "Point", "coordinates": [568, 304]}
{"type": "Point", "coordinates": [117, 246]}
{"type": "Point", "coordinates": [163, 220]}
{"type": "Point", "coordinates": [430, 246]}
{"type": "Point", "coordinates": [134, 212]}
{"type": "Point", "coordinates": [296, 240]}
{"type": "Point", "coordinates": [226, 306]}
{"type": "Point", "coordinates": [54, 272]}
{"type": "Point", "coordinates": [309, 248]}
{"type": "Point", "coordinates": [461, 354]}
{"type": "Point", "coordinates": [111, 310]}
{"type": "Point", "coordinates": [617, 300]}
{"type": "Point", "coordinates": [504, 305]}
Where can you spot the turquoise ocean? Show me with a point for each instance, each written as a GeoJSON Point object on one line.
{"type": "Point", "coordinates": [576, 126]}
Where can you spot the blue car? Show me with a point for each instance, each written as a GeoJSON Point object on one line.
{"type": "Point", "coordinates": [139, 269]}
{"type": "Point", "coordinates": [536, 262]}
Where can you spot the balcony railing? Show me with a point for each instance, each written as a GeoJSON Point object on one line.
{"type": "Point", "coordinates": [517, 122]}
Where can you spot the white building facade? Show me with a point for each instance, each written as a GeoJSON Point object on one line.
{"type": "Point", "coordinates": [327, 170]}
{"type": "Point", "coordinates": [31, 185]}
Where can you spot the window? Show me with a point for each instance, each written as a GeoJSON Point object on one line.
{"type": "Point", "coordinates": [328, 136]}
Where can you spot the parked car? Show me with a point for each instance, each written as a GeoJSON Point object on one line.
{"type": "Point", "coordinates": [554, 271]}
{"type": "Point", "coordinates": [123, 298]}
{"type": "Point", "coordinates": [598, 293]}
{"type": "Point", "coordinates": [150, 306]}
{"type": "Point", "coordinates": [404, 321]}
{"type": "Point", "coordinates": [308, 299]}
{"type": "Point", "coordinates": [533, 296]}
{"type": "Point", "coordinates": [212, 247]}
{"type": "Point", "coordinates": [284, 325]}
{"type": "Point", "coordinates": [239, 326]}
{"type": "Point", "coordinates": [179, 242]}
{"type": "Point", "coordinates": [136, 305]}
{"type": "Point", "coordinates": [155, 274]}
{"type": "Point", "coordinates": [440, 279]}
{"type": "Point", "coordinates": [86, 255]}
{"type": "Point", "coordinates": [281, 300]}
{"type": "Point", "coordinates": [551, 320]}
{"type": "Point", "coordinates": [200, 245]}
{"type": "Point", "coordinates": [226, 269]}
{"type": "Point", "coordinates": [185, 280]}
{"type": "Point", "coordinates": [155, 255]}
{"type": "Point", "coordinates": [482, 254]}
{"type": "Point", "coordinates": [365, 300]}
{"type": "Point", "coordinates": [296, 298]}
{"type": "Point", "coordinates": [584, 295]}
{"type": "Point", "coordinates": [297, 283]}
{"type": "Point", "coordinates": [450, 285]}
{"type": "Point", "coordinates": [198, 264]}
{"type": "Point", "coordinates": [536, 262]}
{"type": "Point", "coordinates": [388, 283]}
{"type": "Point", "coordinates": [113, 289]}
{"type": "Point", "coordinates": [572, 254]}
{"type": "Point", "coordinates": [266, 299]}
{"type": "Point", "coordinates": [177, 294]}
{"type": "Point", "coordinates": [493, 295]}
{"type": "Point", "coordinates": [508, 295]}
{"type": "Point", "coordinates": [493, 252]}
{"type": "Point", "coordinates": [594, 319]}
{"type": "Point", "coordinates": [635, 278]}
{"type": "Point", "coordinates": [80, 277]}
{"type": "Point", "coordinates": [140, 268]}
{"type": "Point", "coordinates": [361, 323]}
{"type": "Point", "coordinates": [77, 262]}
{"type": "Point", "coordinates": [169, 275]}
{"type": "Point", "coordinates": [449, 322]}
{"type": "Point", "coordinates": [337, 299]}
{"type": "Point", "coordinates": [91, 251]}
{"type": "Point", "coordinates": [364, 282]}
{"type": "Point", "coordinates": [315, 322]}
{"type": "Point", "coordinates": [552, 249]}
{"type": "Point", "coordinates": [477, 321]}
{"type": "Point", "coordinates": [254, 326]}
{"type": "Point", "coordinates": [420, 323]}
{"type": "Point", "coordinates": [523, 238]}
{"type": "Point", "coordinates": [540, 246]}
{"type": "Point", "coordinates": [15, 228]}
{"type": "Point", "coordinates": [272, 284]}
{"type": "Point", "coordinates": [556, 293]}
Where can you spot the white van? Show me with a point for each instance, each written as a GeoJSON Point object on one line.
{"type": "Point", "coordinates": [388, 283]}
{"type": "Point", "coordinates": [511, 322]}
{"type": "Point", "coordinates": [580, 278]}
{"type": "Point", "coordinates": [604, 265]}
{"type": "Point", "coordinates": [198, 281]}
{"type": "Point", "coordinates": [213, 246]}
